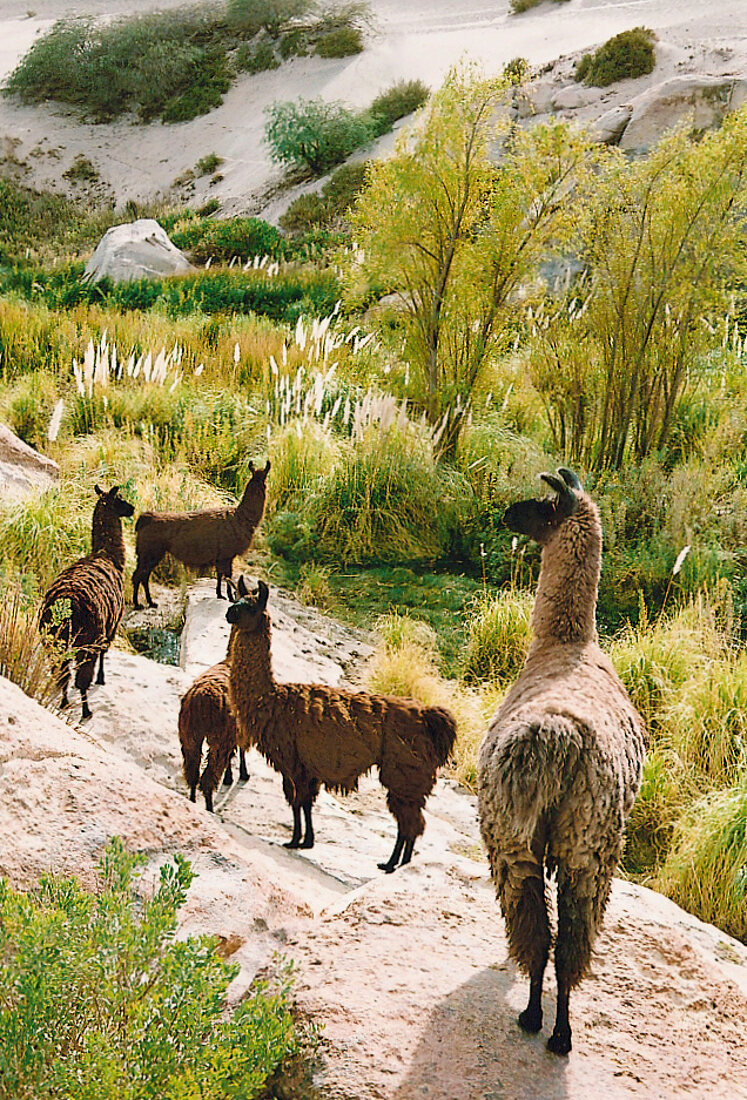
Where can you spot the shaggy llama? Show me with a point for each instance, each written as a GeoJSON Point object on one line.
{"type": "Point", "coordinates": [209, 539]}
{"type": "Point", "coordinates": [316, 735]}
{"type": "Point", "coordinates": [561, 763]}
{"type": "Point", "coordinates": [206, 714]}
{"type": "Point", "coordinates": [82, 607]}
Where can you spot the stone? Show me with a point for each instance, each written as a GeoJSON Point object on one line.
{"type": "Point", "coordinates": [704, 100]}
{"type": "Point", "coordinates": [573, 96]}
{"type": "Point", "coordinates": [136, 250]}
{"type": "Point", "coordinates": [23, 471]}
{"type": "Point", "coordinates": [609, 128]}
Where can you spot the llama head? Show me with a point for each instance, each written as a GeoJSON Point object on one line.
{"type": "Point", "coordinates": [257, 482]}
{"type": "Point", "coordinates": [247, 610]}
{"type": "Point", "coordinates": [112, 500]}
{"type": "Point", "coordinates": [541, 519]}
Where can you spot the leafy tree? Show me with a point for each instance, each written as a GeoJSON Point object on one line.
{"type": "Point", "coordinates": [100, 1000]}
{"type": "Point", "coordinates": [662, 239]}
{"type": "Point", "coordinates": [454, 235]}
{"type": "Point", "coordinates": [314, 134]}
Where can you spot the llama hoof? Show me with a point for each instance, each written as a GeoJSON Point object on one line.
{"type": "Point", "coordinates": [221, 596]}
{"type": "Point", "coordinates": [530, 1021]}
{"type": "Point", "coordinates": [137, 606]}
{"type": "Point", "coordinates": [191, 796]}
{"type": "Point", "coordinates": [307, 843]}
{"type": "Point", "coordinates": [227, 780]}
{"type": "Point", "coordinates": [152, 603]}
{"type": "Point", "coordinates": [388, 867]}
{"type": "Point", "coordinates": [560, 1042]}
{"type": "Point", "coordinates": [292, 844]}
{"type": "Point", "coordinates": [86, 714]}
{"type": "Point", "coordinates": [100, 679]}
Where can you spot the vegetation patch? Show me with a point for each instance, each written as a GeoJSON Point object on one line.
{"type": "Point", "coordinates": [623, 57]}
{"type": "Point", "coordinates": [101, 999]}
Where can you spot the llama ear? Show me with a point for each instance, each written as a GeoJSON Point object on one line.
{"type": "Point", "coordinates": [263, 593]}
{"type": "Point", "coordinates": [251, 467]}
{"type": "Point", "coordinates": [572, 480]}
{"type": "Point", "coordinates": [243, 590]}
{"type": "Point", "coordinates": [555, 484]}
{"type": "Point", "coordinates": [100, 492]}
{"type": "Point", "coordinates": [267, 466]}
{"type": "Point", "coordinates": [567, 500]}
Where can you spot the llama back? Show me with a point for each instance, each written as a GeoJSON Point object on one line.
{"type": "Point", "coordinates": [93, 618]}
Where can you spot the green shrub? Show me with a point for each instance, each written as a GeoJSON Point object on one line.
{"type": "Point", "coordinates": [82, 169]}
{"type": "Point", "coordinates": [101, 1000]}
{"type": "Point", "coordinates": [225, 238]}
{"type": "Point", "coordinates": [327, 208]}
{"type": "Point", "coordinates": [623, 57]}
{"type": "Point", "coordinates": [256, 59]}
{"type": "Point", "coordinates": [312, 134]}
{"type": "Point", "coordinates": [401, 99]}
{"type": "Point", "coordinates": [498, 636]}
{"type": "Point", "coordinates": [343, 42]}
{"type": "Point", "coordinates": [206, 90]}
{"type": "Point", "coordinates": [207, 165]}
{"type": "Point", "coordinates": [251, 16]}
{"type": "Point", "coordinates": [706, 870]}
{"type": "Point", "coordinates": [518, 6]}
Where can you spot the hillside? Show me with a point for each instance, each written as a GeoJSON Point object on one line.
{"type": "Point", "coordinates": [411, 42]}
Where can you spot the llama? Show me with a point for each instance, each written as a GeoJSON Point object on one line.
{"type": "Point", "coordinates": [561, 763]}
{"type": "Point", "coordinates": [316, 735]}
{"type": "Point", "coordinates": [205, 713]}
{"type": "Point", "coordinates": [210, 539]}
{"type": "Point", "coordinates": [82, 607]}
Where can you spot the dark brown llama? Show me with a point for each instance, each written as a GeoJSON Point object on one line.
{"type": "Point", "coordinates": [209, 539]}
{"type": "Point", "coordinates": [206, 714]}
{"type": "Point", "coordinates": [316, 735]}
{"type": "Point", "coordinates": [561, 763]}
{"type": "Point", "coordinates": [82, 607]}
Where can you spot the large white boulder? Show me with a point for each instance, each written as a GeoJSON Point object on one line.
{"type": "Point", "coordinates": [23, 471]}
{"type": "Point", "coordinates": [136, 250]}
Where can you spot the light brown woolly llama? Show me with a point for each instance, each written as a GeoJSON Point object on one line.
{"type": "Point", "coordinates": [209, 539]}
{"type": "Point", "coordinates": [206, 714]}
{"type": "Point", "coordinates": [561, 763]}
{"type": "Point", "coordinates": [82, 607]}
{"type": "Point", "coordinates": [316, 735]}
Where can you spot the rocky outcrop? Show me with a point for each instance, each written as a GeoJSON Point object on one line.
{"type": "Point", "coordinates": [23, 471]}
{"type": "Point", "coordinates": [136, 250]}
{"type": "Point", "coordinates": [703, 100]}
{"type": "Point", "coordinates": [408, 973]}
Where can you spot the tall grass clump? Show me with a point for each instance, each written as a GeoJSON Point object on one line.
{"type": "Point", "coordinates": [498, 636]}
{"type": "Point", "coordinates": [707, 722]}
{"type": "Point", "coordinates": [41, 535]}
{"type": "Point", "coordinates": [395, 102]}
{"type": "Point", "coordinates": [100, 999]}
{"type": "Point", "coordinates": [405, 663]}
{"type": "Point", "coordinates": [386, 500]}
{"type": "Point", "coordinates": [706, 869]}
{"type": "Point", "coordinates": [23, 658]}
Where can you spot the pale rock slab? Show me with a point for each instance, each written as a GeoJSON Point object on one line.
{"type": "Point", "coordinates": [136, 250]}
{"type": "Point", "coordinates": [24, 472]}
{"type": "Point", "coordinates": [704, 100]}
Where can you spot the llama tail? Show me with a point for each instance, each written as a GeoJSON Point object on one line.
{"type": "Point", "coordinates": [442, 731]}
{"type": "Point", "coordinates": [528, 769]}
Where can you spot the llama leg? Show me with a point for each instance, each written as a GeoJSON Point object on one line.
{"type": "Point", "coordinates": [295, 840]}
{"type": "Point", "coordinates": [63, 679]}
{"type": "Point", "coordinates": [524, 906]}
{"type": "Point", "coordinates": [393, 860]}
{"type": "Point", "coordinates": [243, 773]}
{"type": "Point", "coordinates": [581, 902]}
{"type": "Point", "coordinates": [86, 665]}
{"type": "Point", "coordinates": [218, 757]}
{"type": "Point", "coordinates": [228, 776]}
{"type": "Point", "coordinates": [407, 853]}
{"type": "Point", "coordinates": [308, 836]}
{"type": "Point", "coordinates": [146, 588]}
{"type": "Point", "coordinates": [191, 757]}
{"type": "Point", "coordinates": [223, 568]}
{"type": "Point", "coordinates": [100, 675]}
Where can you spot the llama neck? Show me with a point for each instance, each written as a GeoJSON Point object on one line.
{"type": "Point", "coordinates": [106, 535]}
{"type": "Point", "coordinates": [250, 657]}
{"type": "Point", "coordinates": [251, 506]}
{"type": "Point", "coordinates": [566, 601]}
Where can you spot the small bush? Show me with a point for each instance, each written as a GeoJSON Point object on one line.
{"type": "Point", "coordinates": [329, 207]}
{"type": "Point", "coordinates": [498, 635]}
{"type": "Point", "coordinates": [250, 16]}
{"type": "Point", "coordinates": [82, 170]}
{"type": "Point", "coordinates": [305, 213]}
{"type": "Point", "coordinates": [101, 1000]}
{"type": "Point", "coordinates": [225, 238]}
{"type": "Point", "coordinates": [314, 135]}
{"type": "Point", "coordinates": [313, 584]}
{"type": "Point", "coordinates": [207, 165]}
{"type": "Point", "coordinates": [518, 6]}
{"type": "Point", "coordinates": [623, 57]}
{"type": "Point", "coordinates": [343, 42]}
{"type": "Point", "coordinates": [256, 59]}
{"type": "Point", "coordinates": [401, 99]}
{"type": "Point", "coordinates": [205, 92]}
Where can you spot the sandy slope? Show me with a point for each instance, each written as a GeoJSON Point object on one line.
{"type": "Point", "coordinates": [419, 39]}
